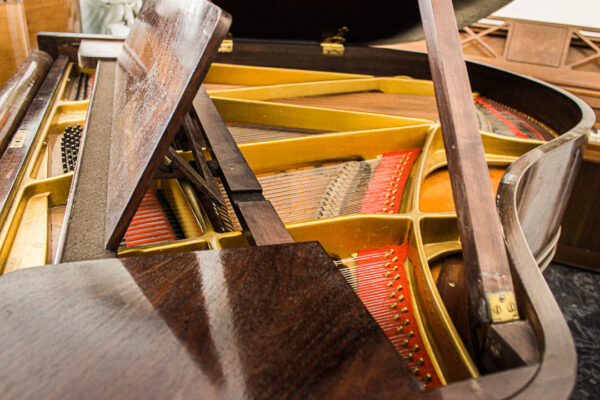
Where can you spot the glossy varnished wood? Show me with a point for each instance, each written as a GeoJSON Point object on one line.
{"type": "Point", "coordinates": [18, 152]}
{"type": "Point", "coordinates": [18, 92]}
{"type": "Point", "coordinates": [267, 322]}
{"type": "Point", "coordinates": [65, 17]}
{"type": "Point", "coordinates": [517, 202]}
{"type": "Point", "coordinates": [256, 214]}
{"type": "Point", "coordinates": [159, 70]}
{"type": "Point", "coordinates": [579, 244]}
{"type": "Point", "coordinates": [480, 231]}
{"type": "Point", "coordinates": [238, 175]}
{"type": "Point", "coordinates": [14, 41]}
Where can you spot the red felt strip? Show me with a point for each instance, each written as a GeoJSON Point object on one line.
{"type": "Point", "coordinates": [383, 288]}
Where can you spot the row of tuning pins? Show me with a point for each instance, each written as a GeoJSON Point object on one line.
{"type": "Point", "coordinates": [83, 86]}
{"type": "Point", "coordinates": [69, 146]}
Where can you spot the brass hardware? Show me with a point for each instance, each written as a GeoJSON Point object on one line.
{"type": "Point", "coordinates": [503, 306]}
{"type": "Point", "coordinates": [227, 44]}
{"type": "Point", "coordinates": [334, 45]}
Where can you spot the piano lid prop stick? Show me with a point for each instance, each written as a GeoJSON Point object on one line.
{"type": "Point", "coordinates": [490, 288]}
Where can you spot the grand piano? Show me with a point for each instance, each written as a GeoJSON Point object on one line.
{"type": "Point", "coordinates": [286, 230]}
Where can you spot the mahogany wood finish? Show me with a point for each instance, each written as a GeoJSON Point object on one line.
{"type": "Point", "coordinates": [452, 286]}
{"type": "Point", "coordinates": [18, 93]}
{"type": "Point", "coordinates": [18, 151]}
{"type": "Point", "coordinates": [236, 171]}
{"type": "Point", "coordinates": [266, 322]}
{"type": "Point", "coordinates": [260, 219]}
{"type": "Point", "coordinates": [64, 17]}
{"type": "Point", "coordinates": [553, 377]}
{"type": "Point", "coordinates": [579, 244]}
{"type": "Point", "coordinates": [256, 214]}
{"type": "Point", "coordinates": [516, 194]}
{"type": "Point", "coordinates": [478, 223]}
{"type": "Point", "coordinates": [14, 38]}
{"type": "Point", "coordinates": [159, 69]}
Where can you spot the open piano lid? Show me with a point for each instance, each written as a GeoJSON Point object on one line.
{"type": "Point", "coordinates": [159, 70]}
{"type": "Point", "coordinates": [381, 21]}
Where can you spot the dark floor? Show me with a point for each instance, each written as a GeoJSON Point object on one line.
{"type": "Point", "coordinates": [578, 295]}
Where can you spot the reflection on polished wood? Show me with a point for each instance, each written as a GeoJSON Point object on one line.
{"type": "Point", "coordinates": [64, 17]}
{"type": "Point", "coordinates": [159, 70]}
{"type": "Point", "coordinates": [266, 322]}
{"type": "Point", "coordinates": [14, 40]}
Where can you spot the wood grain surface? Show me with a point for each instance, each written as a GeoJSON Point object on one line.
{"type": "Point", "coordinates": [159, 70]}
{"type": "Point", "coordinates": [479, 226]}
{"type": "Point", "coordinates": [64, 17]}
{"type": "Point", "coordinates": [14, 39]}
{"type": "Point", "coordinates": [18, 93]}
{"type": "Point", "coordinates": [18, 151]}
{"type": "Point", "coordinates": [258, 217]}
{"type": "Point", "coordinates": [267, 322]}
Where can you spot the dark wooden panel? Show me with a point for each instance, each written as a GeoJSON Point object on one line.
{"type": "Point", "coordinates": [236, 171]}
{"type": "Point", "coordinates": [579, 243]}
{"type": "Point", "coordinates": [159, 70]}
{"type": "Point", "coordinates": [267, 322]}
{"type": "Point", "coordinates": [18, 151]}
{"type": "Point", "coordinates": [258, 217]}
{"type": "Point", "coordinates": [262, 221]}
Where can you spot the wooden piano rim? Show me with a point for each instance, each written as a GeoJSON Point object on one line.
{"type": "Point", "coordinates": [558, 364]}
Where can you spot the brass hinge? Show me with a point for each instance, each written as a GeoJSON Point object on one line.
{"type": "Point", "coordinates": [503, 306]}
{"type": "Point", "coordinates": [227, 44]}
{"type": "Point", "coordinates": [334, 45]}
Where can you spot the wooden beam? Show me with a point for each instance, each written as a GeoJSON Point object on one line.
{"type": "Point", "coordinates": [491, 290]}
{"type": "Point", "coordinates": [259, 219]}
{"type": "Point", "coordinates": [198, 181]}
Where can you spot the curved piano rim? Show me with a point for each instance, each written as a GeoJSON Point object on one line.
{"type": "Point", "coordinates": [554, 376]}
